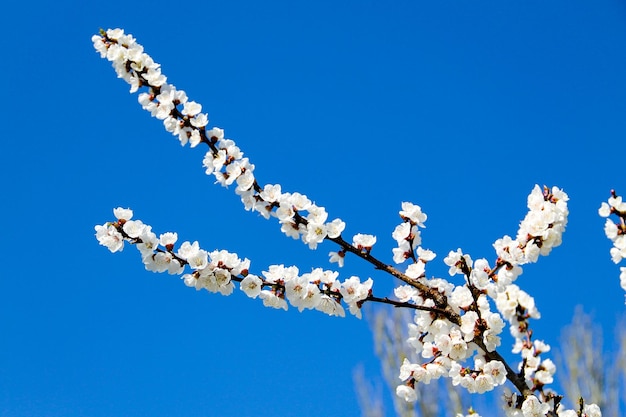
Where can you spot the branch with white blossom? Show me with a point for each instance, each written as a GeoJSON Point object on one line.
{"type": "Point", "coordinates": [452, 323]}
{"type": "Point", "coordinates": [216, 271]}
{"type": "Point", "coordinates": [298, 216]}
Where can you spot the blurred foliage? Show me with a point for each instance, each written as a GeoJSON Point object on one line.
{"type": "Point", "coordinates": [585, 367]}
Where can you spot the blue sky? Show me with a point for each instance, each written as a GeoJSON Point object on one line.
{"type": "Point", "coordinates": [460, 107]}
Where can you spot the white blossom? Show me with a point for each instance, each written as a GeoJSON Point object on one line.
{"type": "Point", "coordinates": [108, 236]}
{"type": "Point", "coordinates": [363, 241]}
{"type": "Point", "coordinates": [532, 407]}
{"type": "Point", "coordinates": [251, 285]}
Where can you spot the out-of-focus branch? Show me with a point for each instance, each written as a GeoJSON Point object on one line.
{"type": "Point", "coordinates": [584, 370]}
{"type": "Point", "coordinates": [438, 398]}
{"type": "Point", "coordinates": [369, 395]}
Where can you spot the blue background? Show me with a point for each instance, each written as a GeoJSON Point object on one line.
{"type": "Point", "coordinates": [460, 107]}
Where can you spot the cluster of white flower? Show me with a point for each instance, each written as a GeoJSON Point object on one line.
{"type": "Point", "coordinates": [464, 325]}
{"type": "Point", "coordinates": [408, 237]}
{"type": "Point", "coordinates": [446, 335]}
{"type": "Point", "coordinates": [539, 232]}
{"type": "Point", "coordinates": [517, 307]}
{"type": "Point", "coordinates": [616, 232]}
{"type": "Point", "coordinates": [445, 339]}
{"type": "Point", "coordinates": [215, 271]}
{"type": "Point", "coordinates": [453, 324]}
{"type": "Point", "coordinates": [319, 290]}
{"type": "Point", "coordinates": [299, 217]}
{"type": "Point", "coordinates": [288, 208]}
{"type": "Point", "coordinates": [531, 406]}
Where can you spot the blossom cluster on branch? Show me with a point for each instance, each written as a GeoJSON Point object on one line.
{"type": "Point", "coordinates": [616, 232]}
{"type": "Point", "coordinates": [216, 271]}
{"type": "Point", "coordinates": [457, 325]}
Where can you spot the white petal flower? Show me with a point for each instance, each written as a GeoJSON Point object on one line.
{"type": "Point", "coordinates": [353, 290]}
{"type": "Point", "coordinates": [299, 201]}
{"type": "Point", "coordinates": [407, 369]}
{"type": "Point", "coordinates": [188, 249]}
{"type": "Point", "coordinates": [272, 300]}
{"type": "Point", "coordinates": [484, 383]}
{"type": "Point", "coordinates": [616, 202]}
{"type": "Point", "coordinates": [200, 120]}
{"type": "Point", "coordinates": [401, 232]}
{"type": "Point", "coordinates": [168, 238]}
{"type": "Point", "coordinates": [532, 407]}
{"type": "Point", "coordinates": [251, 285]}
{"type": "Point", "coordinates": [458, 347]}
{"type": "Point", "coordinates": [414, 213]}
{"type": "Point", "coordinates": [245, 181]}
{"type": "Point", "coordinates": [604, 210]}
{"type": "Point", "coordinates": [461, 297]}
{"type": "Point", "coordinates": [330, 306]}
{"type": "Point", "coordinates": [337, 257]}
{"type": "Point", "coordinates": [402, 252]}
{"type": "Point", "coordinates": [194, 138]}
{"type": "Point", "coordinates": [149, 242]}
{"type": "Point", "coordinates": [362, 241]}
{"type": "Point", "coordinates": [189, 280]}
{"type": "Point", "coordinates": [405, 293]}
{"type": "Point", "coordinates": [108, 236]}
{"type": "Point", "coordinates": [416, 270]}
{"type": "Point", "coordinates": [316, 214]}
{"type": "Point", "coordinates": [315, 233]}
{"type": "Point", "coordinates": [191, 108]}
{"type": "Point", "coordinates": [122, 213]}
{"type": "Point", "coordinates": [335, 228]}
{"type": "Point", "coordinates": [497, 371]}
{"type": "Point", "coordinates": [199, 259]}
{"type": "Point", "coordinates": [425, 255]}
{"type": "Point", "coordinates": [468, 324]}
{"type": "Point", "coordinates": [271, 193]}
{"type": "Point", "coordinates": [454, 260]}
{"type": "Point", "coordinates": [407, 393]}
{"type": "Point", "coordinates": [216, 134]}
{"type": "Point", "coordinates": [592, 410]}
{"type": "Point", "coordinates": [134, 228]}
